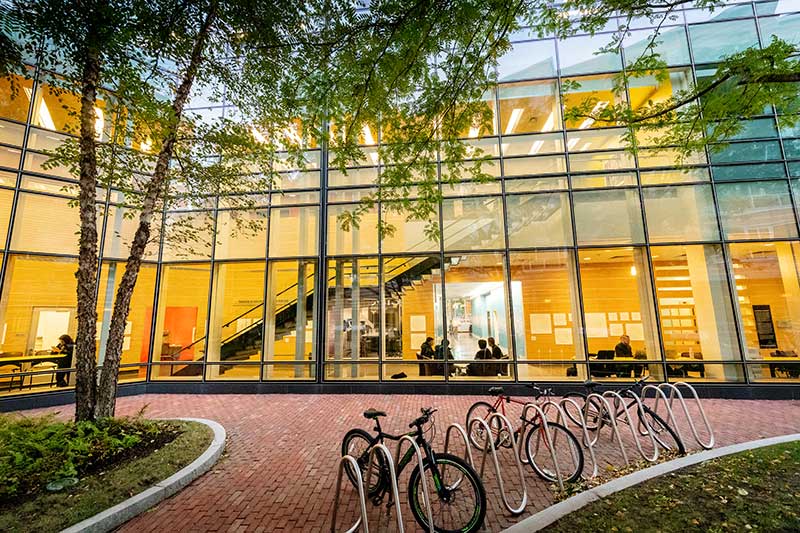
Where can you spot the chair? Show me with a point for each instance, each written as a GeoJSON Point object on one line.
{"type": "Point", "coordinates": [9, 369]}
{"type": "Point", "coordinates": [423, 368]}
{"type": "Point", "coordinates": [603, 370]}
{"type": "Point", "coordinates": [694, 367]}
{"type": "Point", "coordinates": [44, 366]}
{"type": "Point", "coordinates": [791, 370]}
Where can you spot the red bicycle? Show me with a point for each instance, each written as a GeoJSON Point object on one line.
{"type": "Point", "coordinates": [566, 448]}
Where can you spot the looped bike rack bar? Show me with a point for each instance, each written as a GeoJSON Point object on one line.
{"type": "Point", "coordinates": [392, 479]}
{"type": "Point", "coordinates": [549, 436]}
{"type": "Point", "coordinates": [604, 406]}
{"type": "Point", "coordinates": [676, 393]}
{"type": "Point", "coordinates": [421, 463]}
{"type": "Point", "coordinates": [460, 430]}
{"type": "Point", "coordinates": [659, 395]}
{"type": "Point", "coordinates": [587, 440]}
{"type": "Point", "coordinates": [361, 498]}
{"type": "Point", "coordinates": [643, 420]}
{"type": "Point", "coordinates": [488, 445]}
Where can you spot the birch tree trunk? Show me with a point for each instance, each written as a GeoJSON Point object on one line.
{"type": "Point", "coordinates": [156, 187]}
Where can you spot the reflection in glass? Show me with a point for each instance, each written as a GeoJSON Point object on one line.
{"type": "Point", "coordinates": [290, 327]}
{"type": "Point", "coordinates": [293, 231]}
{"type": "Point", "coordinates": [599, 90]}
{"type": "Point", "coordinates": [360, 239]}
{"type": "Point", "coordinates": [529, 107]}
{"type": "Point", "coordinates": [608, 216]}
{"type": "Point", "coordinates": [539, 220]}
{"type": "Point", "coordinates": [711, 42]}
{"type": "Point", "coordinates": [756, 210]}
{"type": "Point", "coordinates": [241, 234]}
{"type": "Point", "coordinates": [679, 214]}
{"type": "Point", "coordinates": [473, 223]}
{"type": "Point", "coordinates": [533, 59]}
{"type": "Point", "coordinates": [544, 296]}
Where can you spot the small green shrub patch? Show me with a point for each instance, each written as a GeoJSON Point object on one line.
{"type": "Point", "coordinates": [36, 451]}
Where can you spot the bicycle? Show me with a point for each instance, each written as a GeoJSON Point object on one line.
{"type": "Point", "coordinates": [568, 451]}
{"type": "Point", "coordinates": [460, 496]}
{"type": "Point", "coordinates": [663, 433]}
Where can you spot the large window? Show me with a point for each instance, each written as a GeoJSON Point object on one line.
{"type": "Point", "coordinates": [608, 217]}
{"type": "Point", "coordinates": [353, 319]}
{"type": "Point", "coordinates": [756, 210]}
{"type": "Point", "coordinates": [680, 214]}
{"type": "Point", "coordinates": [293, 231]}
{"type": "Point", "coordinates": [539, 220]}
{"type": "Point", "coordinates": [473, 223]}
{"type": "Point", "coordinates": [290, 324]}
{"type": "Point", "coordinates": [476, 308]}
{"type": "Point", "coordinates": [529, 107]}
{"type": "Point", "coordinates": [694, 303]}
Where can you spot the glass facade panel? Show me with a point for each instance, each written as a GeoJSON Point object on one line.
{"type": "Point", "coordinates": [241, 234]}
{"type": "Point", "coordinates": [617, 303]}
{"type": "Point", "coordinates": [528, 60]}
{"type": "Point", "coordinates": [545, 143]}
{"type": "Point", "coordinates": [711, 42]}
{"type": "Point", "coordinates": [236, 328]}
{"type": "Point", "coordinates": [759, 210]}
{"type": "Point", "coordinates": [680, 214]}
{"type": "Point", "coordinates": [290, 325]}
{"type": "Point", "coordinates": [188, 236]}
{"type": "Point", "coordinates": [531, 166]}
{"type": "Point", "coordinates": [768, 297]}
{"type": "Point", "coordinates": [541, 220]}
{"type": "Point", "coordinates": [595, 88]}
{"type": "Point", "coordinates": [409, 235]}
{"type": "Point", "coordinates": [121, 226]}
{"type": "Point", "coordinates": [546, 308]}
{"type": "Point", "coordinates": [476, 309]}
{"type": "Point", "coordinates": [293, 231]}
{"type": "Point", "coordinates": [529, 107]}
{"type": "Point", "coordinates": [412, 313]}
{"type": "Point", "coordinates": [180, 333]}
{"type": "Point", "coordinates": [14, 104]}
{"type": "Point", "coordinates": [578, 55]}
{"type": "Point", "coordinates": [608, 217]}
{"type": "Point", "coordinates": [671, 45]}
{"type": "Point", "coordinates": [473, 223]}
{"type": "Point", "coordinates": [35, 212]}
{"type": "Point", "coordinates": [357, 239]}
{"type": "Point", "coordinates": [694, 303]}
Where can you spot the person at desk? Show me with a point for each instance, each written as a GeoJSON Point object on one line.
{"type": "Point", "coordinates": [65, 346]}
{"type": "Point", "coordinates": [623, 348]}
{"type": "Point", "coordinates": [426, 351]}
{"type": "Point", "coordinates": [441, 352]}
{"type": "Point", "coordinates": [497, 353]}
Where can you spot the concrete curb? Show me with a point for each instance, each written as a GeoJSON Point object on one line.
{"type": "Point", "coordinates": [547, 516]}
{"type": "Point", "coordinates": [124, 511]}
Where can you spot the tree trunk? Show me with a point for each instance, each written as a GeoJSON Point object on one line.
{"type": "Point", "coordinates": [107, 391]}
{"type": "Point", "coordinates": [85, 348]}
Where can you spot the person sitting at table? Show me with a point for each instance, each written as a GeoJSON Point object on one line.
{"type": "Point", "coordinates": [623, 348]}
{"type": "Point", "coordinates": [497, 353]}
{"type": "Point", "coordinates": [65, 346]}
{"type": "Point", "coordinates": [441, 352]}
{"type": "Point", "coordinates": [481, 369]}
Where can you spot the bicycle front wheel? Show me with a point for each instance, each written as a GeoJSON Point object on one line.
{"type": "Point", "coordinates": [458, 506]}
{"type": "Point", "coordinates": [477, 433]}
{"type": "Point", "coordinates": [663, 433]}
{"type": "Point", "coordinates": [568, 453]}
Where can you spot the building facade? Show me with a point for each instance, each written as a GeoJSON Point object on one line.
{"type": "Point", "coordinates": [575, 244]}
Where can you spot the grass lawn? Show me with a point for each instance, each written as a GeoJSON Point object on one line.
{"type": "Point", "coordinates": [751, 491]}
{"type": "Point", "coordinates": [46, 511]}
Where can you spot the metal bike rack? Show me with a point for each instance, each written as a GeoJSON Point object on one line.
{"type": "Point", "coordinates": [562, 419]}
{"type": "Point", "coordinates": [613, 422]}
{"type": "Point", "coordinates": [460, 430]}
{"type": "Point", "coordinates": [392, 478]}
{"type": "Point", "coordinates": [425, 494]}
{"type": "Point", "coordinates": [543, 417]}
{"type": "Point", "coordinates": [621, 400]}
{"type": "Point", "coordinates": [659, 395]}
{"type": "Point", "coordinates": [587, 441]}
{"type": "Point", "coordinates": [361, 498]}
{"type": "Point", "coordinates": [488, 446]}
{"type": "Point", "coordinates": [676, 393]}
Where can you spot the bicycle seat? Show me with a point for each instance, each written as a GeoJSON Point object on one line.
{"type": "Point", "coordinates": [496, 390]}
{"type": "Point", "coordinates": [589, 384]}
{"type": "Point", "coordinates": [373, 413]}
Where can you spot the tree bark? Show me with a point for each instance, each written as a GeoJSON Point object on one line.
{"type": "Point", "coordinates": [85, 347]}
{"type": "Point", "coordinates": [156, 186]}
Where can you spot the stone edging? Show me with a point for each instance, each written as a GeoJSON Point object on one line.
{"type": "Point", "coordinates": [549, 515]}
{"type": "Point", "coordinates": [124, 511]}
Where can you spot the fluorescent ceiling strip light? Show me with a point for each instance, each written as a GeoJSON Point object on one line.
{"type": "Point", "coordinates": [536, 147]}
{"type": "Point", "coordinates": [599, 106]}
{"type": "Point", "coordinates": [516, 114]}
{"type": "Point", "coordinates": [550, 124]}
{"type": "Point", "coordinates": [473, 132]}
{"type": "Point", "coordinates": [368, 138]}
{"type": "Point", "coordinates": [44, 114]}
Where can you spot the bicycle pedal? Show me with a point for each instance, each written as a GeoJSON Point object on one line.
{"type": "Point", "coordinates": [377, 500]}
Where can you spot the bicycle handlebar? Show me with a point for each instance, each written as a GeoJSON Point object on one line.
{"type": "Point", "coordinates": [426, 416]}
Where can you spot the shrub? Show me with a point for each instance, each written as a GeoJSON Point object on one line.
{"type": "Point", "coordinates": [35, 451]}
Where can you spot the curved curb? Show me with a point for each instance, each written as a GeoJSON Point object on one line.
{"type": "Point", "coordinates": [549, 515]}
{"type": "Point", "coordinates": [135, 505]}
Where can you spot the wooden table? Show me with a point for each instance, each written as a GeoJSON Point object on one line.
{"type": "Point", "coordinates": [21, 360]}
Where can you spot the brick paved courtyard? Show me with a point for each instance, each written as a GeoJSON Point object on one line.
{"type": "Point", "coordinates": [278, 472]}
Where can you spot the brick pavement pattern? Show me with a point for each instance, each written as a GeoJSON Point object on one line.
{"type": "Point", "coordinates": [279, 468]}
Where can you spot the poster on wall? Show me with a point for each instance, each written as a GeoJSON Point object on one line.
{"type": "Point", "coordinates": [417, 323]}
{"type": "Point", "coordinates": [615, 330]}
{"type": "Point", "coordinates": [596, 326]}
{"type": "Point", "coordinates": [764, 327]}
{"type": "Point", "coordinates": [541, 324]}
{"type": "Point", "coordinates": [635, 331]}
{"type": "Point", "coordinates": [417, 339]}
{"type": "Point", "coordinates": [559, 319]}
{"type": "Point", "coordinates": [563, 335]}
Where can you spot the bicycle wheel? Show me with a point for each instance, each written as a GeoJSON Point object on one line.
{"type": "Point", "coordinates": [356, 443]}
{"type": "Point", "coordinates": [568, 453]}
{"type": "Point", "coordinates": [663, 433]}
{"type": "Point", "coordinates": [459, 506]}
{"type": "Point", "coordinates": [477, 434]}
{"type": "Point", "coordinates": [591, 410]}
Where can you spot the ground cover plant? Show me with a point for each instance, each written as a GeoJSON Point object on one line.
{"type": "Point", "coordinates": [113, 460]}
{"type": "Point", "coordinates": [757, 490]}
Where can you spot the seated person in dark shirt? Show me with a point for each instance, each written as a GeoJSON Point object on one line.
{"type": "Point", "coordinates": [497, 353]}
{"type": "Point", "coordinates": [623, 349]}
{"type": "Point", "coordinates": [481, 369]}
